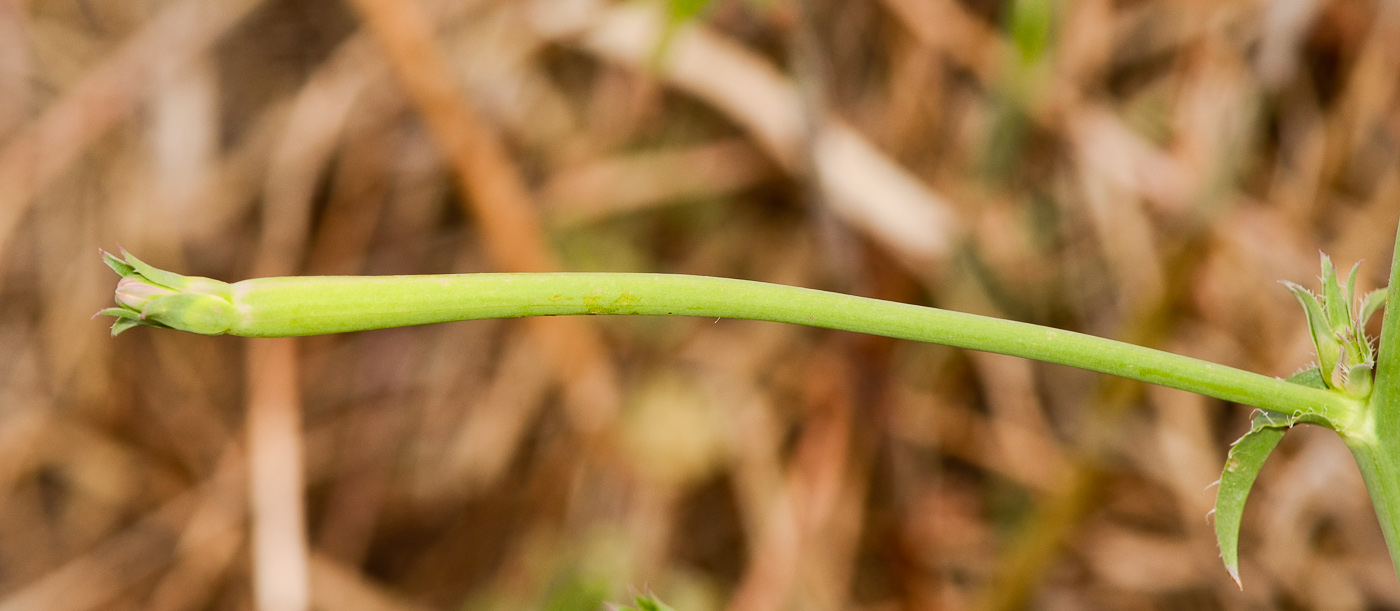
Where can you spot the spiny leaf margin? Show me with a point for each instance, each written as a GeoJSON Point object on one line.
{"type": "Point", "coordinates": [1242, 466]}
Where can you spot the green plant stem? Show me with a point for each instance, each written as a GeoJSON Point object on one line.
{"type": "Point", "coordinates": [1380, 468]}
{"type": "Point", "coordinates": [1378, 452]}
{"type": "Point", "coordinates": [293, 306]}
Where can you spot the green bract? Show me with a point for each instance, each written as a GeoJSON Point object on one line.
{"type": "Point", "coordinates": [157, 298]}
{"type": "Point", "coordinates": [1338, 326]}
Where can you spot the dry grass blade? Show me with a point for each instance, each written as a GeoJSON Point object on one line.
{"type": "Point", "coordinates": [49, 144]}
{"type": "Point", "coordinates": [496, 194]}
{"type": "Point", "coordinates": [865, 187]}
{"type": "Point", "coordinates": [624, 184]}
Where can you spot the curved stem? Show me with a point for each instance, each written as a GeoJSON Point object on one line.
{"type": "Point", "coordinates": [1378, 454]}
{"type": "Point", "coordinates": [329, 304]}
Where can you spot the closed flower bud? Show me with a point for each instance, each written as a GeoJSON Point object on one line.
{"type": "Point", "coordinates": [154, 297]}
{"type": "Point", "coordinates": [134, 292]}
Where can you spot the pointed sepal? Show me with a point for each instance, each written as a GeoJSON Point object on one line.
{"type": "Point", "coordinates": [122, 324]}
{"type": "Point", "coordinates": [122, 268]}
{"type": "Point", "coordinates": [158, 298]}
{"type": "Point", "coordinates": [170, 280]}
{"type": "Point", "coordinates": [118, 312]}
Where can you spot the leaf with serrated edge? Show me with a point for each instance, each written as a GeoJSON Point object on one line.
{"type": "Point", "coordinates": [1310, 377]}
{"type": "Point", "coordinates": [1357, 343]}
{"type": "Point", "coordinates": [1350, 289]}
{"type": "Point", "coordinates": [1334, 300]}
{"type": "Point", "coordinates": [1242, 467]}
{"type": "Point", "coordinates": [1370, 304]}
{"type": "Point", "coordinates": [1357, 347]}
{"type": "Point", "coordinates": [1328, 348]}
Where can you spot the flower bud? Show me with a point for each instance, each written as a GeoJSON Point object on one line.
{"type": "Point", "coordinates": [134, 292]}
{"type": "Point", "coordinates": [155, 297]}
{"type": "Point", "coordinates": [193, 312]}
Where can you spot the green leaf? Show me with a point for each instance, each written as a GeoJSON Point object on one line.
{"type": "Point", "coordinates": [1242, 467]}
{"type": "Point", "coordinates": [1357, 347]}
{"type": "Point", "coordinates": [1373, 301]}
{"type": "Point", "coordinates": [1351, 285]}
{"type": "Point", "coordinates": [1328, 348]}
{"type": "Point", "coordinates": [1310, 377]}
{"type": "Point", "coordinates": [1334, 299]}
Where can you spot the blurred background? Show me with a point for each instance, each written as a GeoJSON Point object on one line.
{"type": "Point", "coordinates": [1145, 170]}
